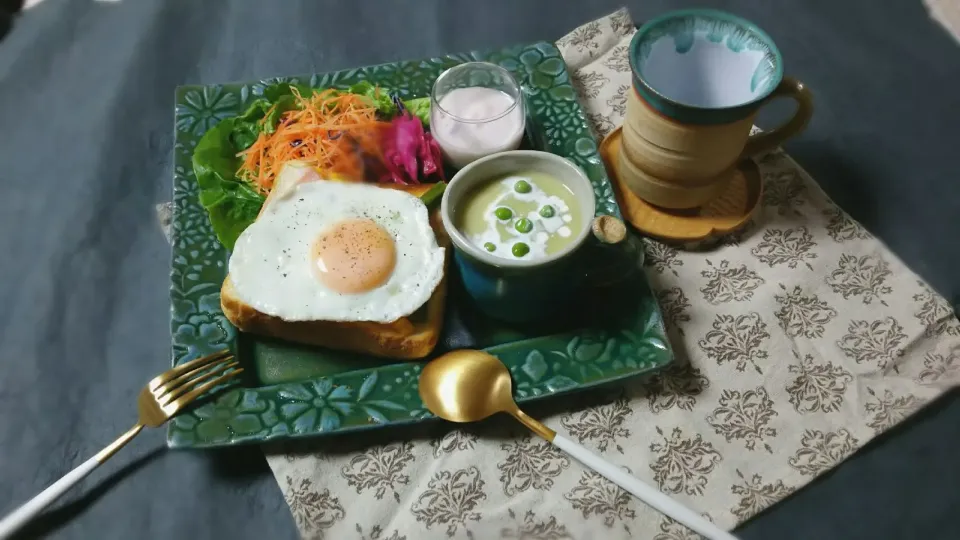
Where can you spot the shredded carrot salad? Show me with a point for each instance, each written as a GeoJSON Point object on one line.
{"type": "Point", "coordinates": [330, 130]}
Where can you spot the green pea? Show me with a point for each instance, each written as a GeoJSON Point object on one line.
{"type": "Point", "coordinates": [522, 186]}
{"type": "Point", "coordinates": [503, 213]}
{"type": "Point", "coordinates": [489, 246]}
{"type": "Point", "coordinates": [547, 211]}
{"type": "Point", "coordinates": [523, 225]}
{"type": "Point", "coordinates": [520, 249]}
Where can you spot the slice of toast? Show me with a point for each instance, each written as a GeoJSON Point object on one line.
{"type": "Point", "coordinates": [408, 338]}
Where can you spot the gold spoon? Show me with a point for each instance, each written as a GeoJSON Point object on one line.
{"type": "Point", "coordinates": [467, 386]}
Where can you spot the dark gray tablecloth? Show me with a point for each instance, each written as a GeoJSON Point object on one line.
{"type": "Point", "coordinates": [86, 118]}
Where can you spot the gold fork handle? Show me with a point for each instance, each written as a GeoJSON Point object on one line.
{"type": "Point", "coordinates": [121, 441]}
{"type": "Point", "coordinates": [34, 506]}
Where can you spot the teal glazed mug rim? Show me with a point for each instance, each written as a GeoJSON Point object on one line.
{"type": "Point", "coordinates": [692, 113]}
{"type": "Point", "coordinates": [462, 243]}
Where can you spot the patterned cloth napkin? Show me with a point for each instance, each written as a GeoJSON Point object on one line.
{"type": "Point", "coordinates": [797, 342]}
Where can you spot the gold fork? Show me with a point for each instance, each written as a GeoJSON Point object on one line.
{"type": "Point", "coordinates": [160, 400]}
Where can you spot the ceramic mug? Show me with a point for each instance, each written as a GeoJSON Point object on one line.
{"type": "Point", "coordinates": [522, 290]}
{"type": "Point", "coordinates": [699, 78]}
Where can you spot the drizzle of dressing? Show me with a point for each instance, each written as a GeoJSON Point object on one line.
{"type": "Point", "coordinates": [503, 234]}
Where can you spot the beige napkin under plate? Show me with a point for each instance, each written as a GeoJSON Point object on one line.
{"type": "Point", "coordinates": [947, 13]}
{"type": "Point", "coordinates": [797, 343]}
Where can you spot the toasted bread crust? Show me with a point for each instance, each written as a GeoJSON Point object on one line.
{"type": "Point", "coordinates": [402, 339]}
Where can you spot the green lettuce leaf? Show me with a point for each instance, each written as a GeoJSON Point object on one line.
{"type": "Point", "coordinates": [283, 104]}
{"type": "Point", "coordinates": [383, 101]}
{"type": "Point", "coordinates": [246, 127]}
{"type": "Point", "coordinates": [379, 97]}
{"type": "Point", "coordinates": [232, 205]}
{"type": "Point", "coordinates": [275, 91]}
{"type": "Point", "coordinates": [419, 107]}
{"type": "Point", "coordinates": [263, 114]}
{"type": "Point", "coordinates": [433, 194]}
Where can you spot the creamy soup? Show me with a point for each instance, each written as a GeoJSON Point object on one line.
{"type": "Point", "coordinates": [528, 215]}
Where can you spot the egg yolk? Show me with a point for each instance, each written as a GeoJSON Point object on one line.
{"type": "Point", "coordinates": [354, 256]}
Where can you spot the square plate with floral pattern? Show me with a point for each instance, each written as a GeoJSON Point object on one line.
{"type": "Point", "coordinates": [299, 391]}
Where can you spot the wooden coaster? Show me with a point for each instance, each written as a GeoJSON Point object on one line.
{"type": "Point", "coordinates": [724, 215]}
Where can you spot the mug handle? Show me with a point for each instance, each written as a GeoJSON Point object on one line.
{"type": "Point", "coordinates": [768, 140]}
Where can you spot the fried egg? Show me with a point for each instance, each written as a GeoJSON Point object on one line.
{"type": "Point", "coordinates": [336, 251]}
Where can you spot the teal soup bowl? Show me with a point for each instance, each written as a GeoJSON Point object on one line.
{"type": "Point", "coordinates": [519, 289]}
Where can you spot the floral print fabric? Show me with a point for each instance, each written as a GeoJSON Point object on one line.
{"type": "Point", "coordinates": [797, 341]}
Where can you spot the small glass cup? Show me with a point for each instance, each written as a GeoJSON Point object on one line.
{"type": "Point", "coordinates": [476, 109]}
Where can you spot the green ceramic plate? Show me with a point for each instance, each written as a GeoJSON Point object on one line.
{"type": "Point", "coordinates": [298, 391]}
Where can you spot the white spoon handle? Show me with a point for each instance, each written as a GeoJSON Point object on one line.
{"type": "Point", "coordinates": [642, 491]}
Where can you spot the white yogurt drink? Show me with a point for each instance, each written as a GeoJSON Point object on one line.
{"type": "Point", "coordinates": [470, 122]}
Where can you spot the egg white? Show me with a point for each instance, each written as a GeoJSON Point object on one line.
{"type": "Point", "coordinates": [271, 265]}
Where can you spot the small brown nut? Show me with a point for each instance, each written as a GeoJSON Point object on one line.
{"type": "Point", "coordinates": [609, 229]}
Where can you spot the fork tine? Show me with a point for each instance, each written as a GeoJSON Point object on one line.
{"type": "Point", "coordinates": [165, 396]}
{"type": "Point", "coordinates": [186, 376]}
{"type": "Point", "coordinates": [187, 398]}
{"type": "Point", "coordinates": [185, 367]}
